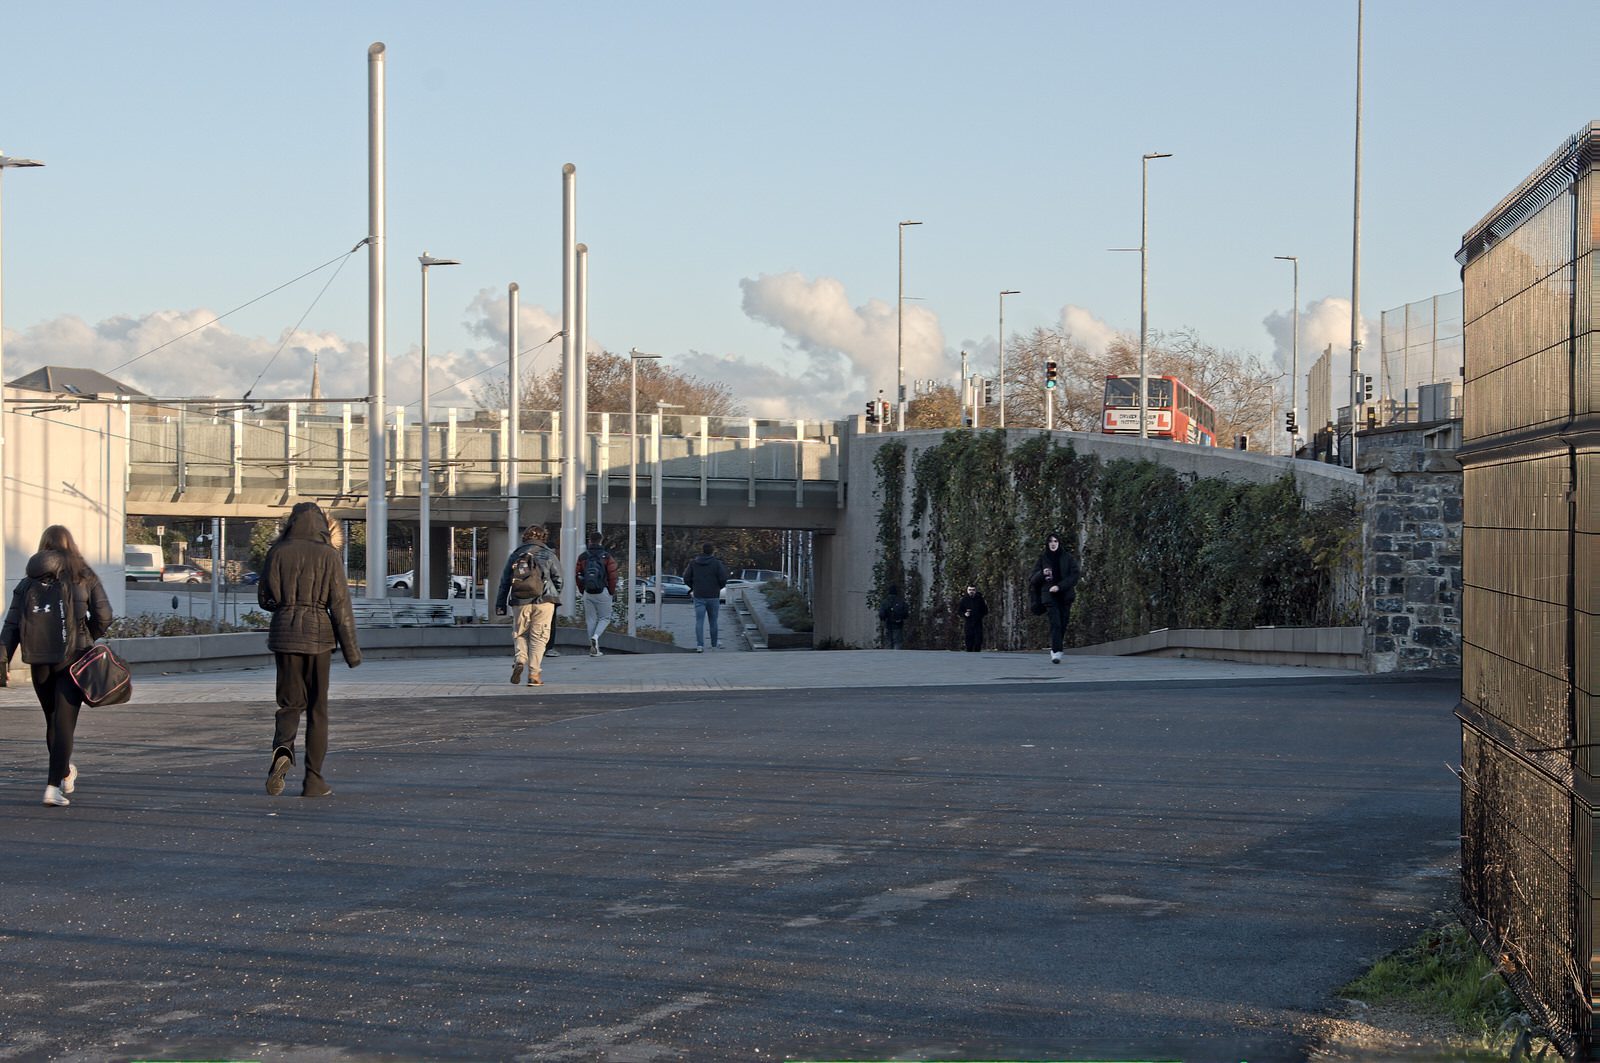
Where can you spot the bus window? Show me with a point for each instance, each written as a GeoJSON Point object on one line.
{"type": "Point", "coordinates": [1160, 393]}
{"type": "Point", "coordinates": [1120, 391]}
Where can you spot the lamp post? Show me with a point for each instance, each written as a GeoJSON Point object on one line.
{"type": "Point", "coordinates": [1294, 363]}
{"type": "Point", "coordinates": [1356, 389]}
{"type": "Point", "coordinates": [900, 337]}
{"type": "Point", "coordinates": [6, 163]}
{"type": "Point", "coordinates": [424, 486]}
{"type": "Point", "coordinates": [635, 356]}
{"type": "Point", "coordinates": [1003, 353]}
{"type": "Point", "coordinates": [1144, 286]}
{"type": "Point", "coordinates": [661, 502]}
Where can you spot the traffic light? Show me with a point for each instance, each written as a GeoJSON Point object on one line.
{"type": "Point", "coordinates": [1288, 423]}
{"type": "Point", "coordinates": [1050, 374]}
{"type": "Point", "coordinates": [988, 392]}
{"type": "Point", "coordinates": [1366, 387]}
{"type": "Point", "coordinates": [872, 413]}
{"type": "Point", "coordinates": [883, 411]}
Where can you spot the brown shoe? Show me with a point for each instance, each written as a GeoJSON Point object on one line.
{"type": "Point", "coordinates": [535, 681]}
{"type": "Point", "coordinates": [516, 674]}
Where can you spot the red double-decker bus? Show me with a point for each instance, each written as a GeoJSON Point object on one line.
{"type": "Point", "coordinates": [1172, 410]}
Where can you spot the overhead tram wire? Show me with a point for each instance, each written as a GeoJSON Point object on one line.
{"type": "Point", "coordinates": [297, 324]}
{"type": "Point", "coordinates": [340, 259]}
{"type": "Point", "coordinates": [487, 369]}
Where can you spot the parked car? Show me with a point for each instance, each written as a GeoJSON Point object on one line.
{"type": "Point", "coordinates": [183, 574]}
{"type": "Point", "coordinates": [460, 586]}
{"type": "Point", "coordinates": [731, 588]}
{"type": "Point", "coordinates": [671, 587]}
{"type": "Point", "coordinates": [250, 579]}
{"type": "Point", "coordinates": [141, 561]}
{"type": "Point", "coordinates": [760, 575]}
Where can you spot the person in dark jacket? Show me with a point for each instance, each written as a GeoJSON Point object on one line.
{"type": "Point", "coordinates": [706, 575]}
{"type": "Point", "coordinates": [894, 612]}
{"type": "Point", "coordinates": [1055, 575]}
{"type": "Point", "coordinates": [303, 586]}
{"type": "Point", "coordinates": [972, 609]}
{"type": "Point", "coordinates": [598, 600]}
{"type": "Point", "coordinates": [51, 646]}
{"type": "Point", "coordinates": [531, 602]}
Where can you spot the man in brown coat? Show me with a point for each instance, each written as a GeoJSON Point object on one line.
{"type": "Point", "coordinates": [302, 585]}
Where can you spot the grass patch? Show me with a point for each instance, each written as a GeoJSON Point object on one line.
{"type": "Point", "coordinates": [1444, 972]}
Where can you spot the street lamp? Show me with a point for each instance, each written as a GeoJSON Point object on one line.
{"type": "Point", "coordinates": [6, 163]}
{"type": "Point", "coordinates": [424, 515]}
{"type": "Point", "coordinates": [900, 337]}
{"type": "Point", "coordinates": [635, 356]}
{"type": "Point", "coordinates": [1003, 354]}
{"type": "Point", "coordinates": [1144, 286]}
{"type": "Point", "coordinates": [661, 501]}
{"type": "Point", "coordinates": [1294, 365]}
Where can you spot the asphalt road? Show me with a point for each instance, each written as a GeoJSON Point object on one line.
{"type": "Point", "coordinates": [997, 872]}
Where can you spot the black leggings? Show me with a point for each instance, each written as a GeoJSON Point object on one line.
{"type": "Point", "coordinates": [303, 688]}
{"type": "Point", "coordinates": [60, 699]}
{"type": "Point", "coordinates": [1057, 611]}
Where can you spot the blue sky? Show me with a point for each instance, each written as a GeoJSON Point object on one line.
{"type": "Point", "coordinates": [741, 172]}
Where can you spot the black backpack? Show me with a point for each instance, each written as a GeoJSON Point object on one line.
{"type": "Point", "coordinates": [527, 578]}
{"type": "Point", "coordinates": [46, 628]}
{"type": "Point", "coordinates": [594, 571]}
{"type": "Point", "coordinates": [899, 611]}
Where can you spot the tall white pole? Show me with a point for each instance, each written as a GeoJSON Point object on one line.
{"type": "Point", "coordinates": [1144, 286]}
{"type": "Point", "coordinates": [660, 499]}
{"type": "Point", "coordinates": [634, 357]}
{"type": "Point", "coordinates": [900, 337]}
{"type": "Point", "coordinates": [1294, 358]}
{"type": "Point", "coordinates": [419, 583]}
{"type": "Point", "coordinates": [580, 455]}
{"type": "Point", "coordinates": [1355, 265]}
{"type": "Point", "coordinates": [571, 437]}
{"type": "Point", "coordinates": [514, 439]}
{"type": "Point", "coordinates": [377, 475]}
{"type": "Point", "coordinates": [5, 164]}
{"type": "Point", "coordinates": [1003, 354]}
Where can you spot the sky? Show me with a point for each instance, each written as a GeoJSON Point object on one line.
{"type": "Point", "coordinates": [742, 170]}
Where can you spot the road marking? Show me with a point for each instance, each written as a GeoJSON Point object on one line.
{"type": "Point", "coordinates": [601, 1041]}
{"type": "Point", "coordinates": [899, 901]}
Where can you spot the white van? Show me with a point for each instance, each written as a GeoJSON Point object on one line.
{"type": "Point", "coordinates": [141, 561]}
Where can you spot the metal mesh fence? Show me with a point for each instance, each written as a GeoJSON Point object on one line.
{"type": "Point", "coordinates": [1420, 346]}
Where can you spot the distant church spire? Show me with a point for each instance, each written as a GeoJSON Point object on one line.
{"type": "Point", "coordinates": [316, 385]}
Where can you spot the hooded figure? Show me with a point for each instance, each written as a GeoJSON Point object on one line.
{"type": "Point", "coordinates": [1050, 587]}
{"type": "Point", "coordinates": [972, 609]}
{"type": "Point", "coordinates": [303, 586]}
{"type": "Point", "coordinates": [894, 612]}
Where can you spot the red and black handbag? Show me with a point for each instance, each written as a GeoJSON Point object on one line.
{"type": "Point", "coordinates": [102, 676]}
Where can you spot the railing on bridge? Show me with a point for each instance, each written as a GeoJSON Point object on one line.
{"type": "Point", "coordinates": [285, 453]}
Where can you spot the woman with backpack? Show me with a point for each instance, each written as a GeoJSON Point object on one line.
{"type": "Point", "coordinates": [57, 611]}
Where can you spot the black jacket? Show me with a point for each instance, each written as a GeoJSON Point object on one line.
{"type": "Point", "coordinates": [303, 587]}
{"type": "Point", "coordinates": [706, 575]}
{"type": "Point", "coordinates": [972, 608]}
{"type": "Point", "coordinates": [1059, 570]}
{"type": "Point", "coordinates": [549, 565]}
{"type": "Point", "coordinates": [89, 618]}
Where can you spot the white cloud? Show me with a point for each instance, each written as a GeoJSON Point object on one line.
{"type": "Point", "coordinates": [1081, 326]}
{"type": "Point", "coordinates": [1323, 323]}
{"type": "Point", "coordinates": [846, 352]}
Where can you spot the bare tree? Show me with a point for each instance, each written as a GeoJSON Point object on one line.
{"type": "Point", "coordinates": [608, 389]}
{"type": "Point", "coordinates": [938, 408]}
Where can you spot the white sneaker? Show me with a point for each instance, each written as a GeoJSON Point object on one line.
{"type": "Point", "coordinates": [699, 649]}
{"type": "Point", "coordinates": [70, 783]}
{"type": "Point", "coordinates": [1055, 657]}
{"type": "Point", "coordinates": [594, 648]}
{"type": "Point", "coordinates": [54, 796]}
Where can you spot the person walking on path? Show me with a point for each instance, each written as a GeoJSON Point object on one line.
{"type": "Point", "coordinates": [972, 609]}
{"type": "Point", "coordinates": [530, 587]}
{"type": "Point", "coordinates": [706, 575]}
{"type": "Point", "coordinates": [894, 612]}
{"type": "Point", "coordinates": [303, 586]}
{"type": "Point", "coordinates": [57, 611]}
{"type": "Point", "coordinates": [596, 572]}
{"type": "Point", "coordinates": [1055, 575]}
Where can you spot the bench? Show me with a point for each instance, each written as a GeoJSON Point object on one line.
{"type": "Point", "coordinates": [402, 612]}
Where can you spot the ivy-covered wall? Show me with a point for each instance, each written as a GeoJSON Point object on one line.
{"type": "Point", "coordinates": [1158, 548]}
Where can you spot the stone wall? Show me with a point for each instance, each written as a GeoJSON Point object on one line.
{"type": "Point", "coordinates": [1412, 546]}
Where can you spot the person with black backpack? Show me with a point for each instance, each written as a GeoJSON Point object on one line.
{"type": "Point", "coordinates": [530, 587]}
{"type": "Point", "coordinates": [596, 572]}
{"type": "Point", "coordinates": [894, 612]}
{"type": "Point", "coordinates": [57, 611]}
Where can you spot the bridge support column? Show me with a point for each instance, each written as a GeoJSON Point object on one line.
{"type": "Point", "coordinates": [439, 561]}
{"type": "Point", "coordinates": [500, 544]}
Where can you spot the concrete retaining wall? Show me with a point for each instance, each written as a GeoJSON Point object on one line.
{"type": "Point", "coordinates": [1311, 647]}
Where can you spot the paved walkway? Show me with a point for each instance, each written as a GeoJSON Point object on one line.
{"type": "Point", "coordinates": [573, 672]}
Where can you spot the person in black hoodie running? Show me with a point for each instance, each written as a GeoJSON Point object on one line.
{"type": "Point", "coordinates": [706, 575]}
{"type": "Point", "coordinates": [56, 613]}
{"type": "Point", "coordinates": [1055, 575]}
{"type": "Point", "coordinates": [972, 609]}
